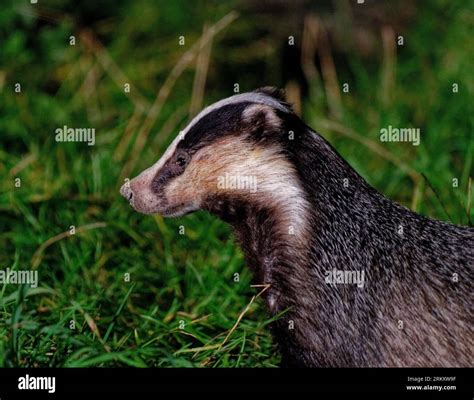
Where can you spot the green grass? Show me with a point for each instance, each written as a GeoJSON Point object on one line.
{"type": "Point", "coordinates": [182, 299]}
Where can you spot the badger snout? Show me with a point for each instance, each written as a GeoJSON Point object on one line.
{"type": "Point", "coordinates": [139, 194]}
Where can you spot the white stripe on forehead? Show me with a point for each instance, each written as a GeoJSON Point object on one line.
{"type": "Point", "coordinates": [251, 97]}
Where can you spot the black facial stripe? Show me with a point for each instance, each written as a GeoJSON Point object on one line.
{"type": "Point", "coordinates": [170, 170]}
{"type": "Point", "coordinates": [222, 121]}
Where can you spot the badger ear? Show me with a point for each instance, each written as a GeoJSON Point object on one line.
{"type": "Point", "coordinates": [261, 118]}
{"type": "Point", "coordinates": [278, 94]}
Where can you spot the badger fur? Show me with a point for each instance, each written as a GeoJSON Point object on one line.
{"type": "Point", "coordinates": [313, 218]}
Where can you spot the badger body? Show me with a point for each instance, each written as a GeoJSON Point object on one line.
{"type": "Point", "coordinates": [312, 217]}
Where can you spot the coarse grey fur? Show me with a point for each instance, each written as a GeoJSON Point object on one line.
{"type": "Point", "coordinates": [416, 306]}
{"type": "Point", "coordinates": [413, 309]}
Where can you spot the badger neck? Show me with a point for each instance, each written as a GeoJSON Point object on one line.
{"type": "Point", "coordinates": [275, 244]}
{"type": "Point", "coordinates": [272, 227]}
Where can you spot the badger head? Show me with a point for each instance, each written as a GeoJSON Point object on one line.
{"type": "Point", "coordinates": [233, 152]}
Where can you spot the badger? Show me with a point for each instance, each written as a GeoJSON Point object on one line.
{"type": "Point", "coordinates": [356, 279]}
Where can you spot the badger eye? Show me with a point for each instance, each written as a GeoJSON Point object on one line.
{"type": "Point", "coordinates": [181, 161]}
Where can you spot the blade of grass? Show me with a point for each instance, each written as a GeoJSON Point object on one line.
{"type": "Point", "coordinates": [117, 313]}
